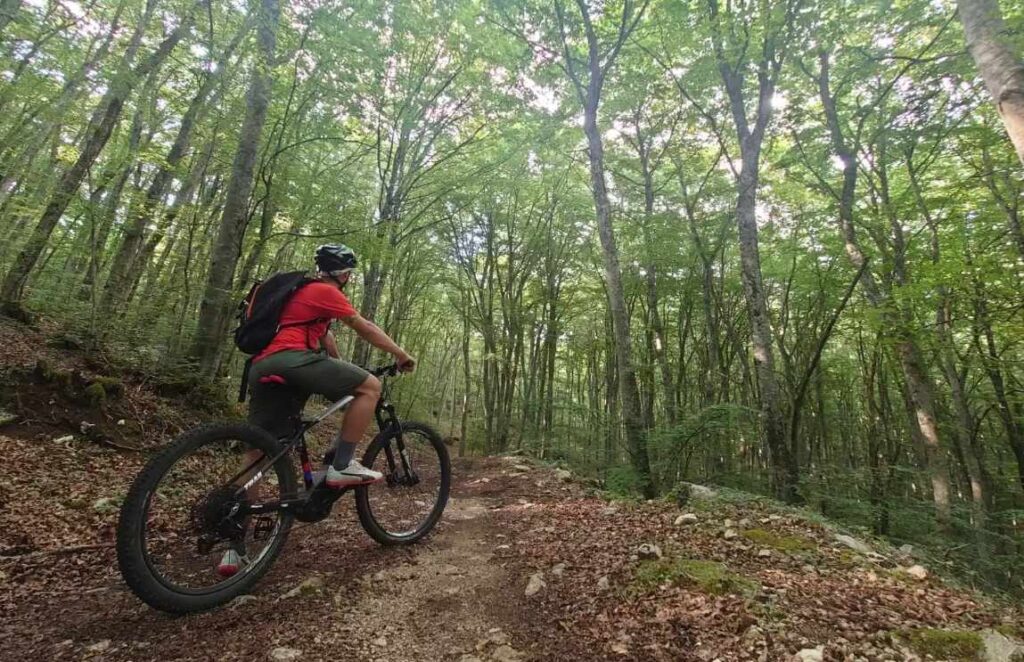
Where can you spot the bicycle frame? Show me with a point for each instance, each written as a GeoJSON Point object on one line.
{"type": "Point", "coordinates": [387, 420]}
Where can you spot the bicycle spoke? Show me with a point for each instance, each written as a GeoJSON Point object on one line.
{"type": "Point", "coordinates": [192, 516]}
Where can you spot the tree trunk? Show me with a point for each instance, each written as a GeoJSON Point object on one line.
{"type": "Point", "coordinates": [918, 383]}
{"type": "Point", "coordinates": [628, 391]}
{"type": "Point", "coordinates": [467, 381]}
{"type": "Point", "coordinates": [985, 342]}
{"type": "Point", "coordinates": [651, 281]}
{"type": "Point", "coordinates": [991, 46]}
{"type": "Point", "coordinates": [126, 264]}
{"type": "Point", "coordinates": [214, 311]}
{"type": "Point", "coordinates": [100, 129]}
{"type": "Point", "coordinates": [8, 10]}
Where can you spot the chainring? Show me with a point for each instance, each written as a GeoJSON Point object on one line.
{"type": "Point", "coordinates": [318, 505]}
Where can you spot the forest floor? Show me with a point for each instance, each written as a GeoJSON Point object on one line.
{"type": "Point", "coordinates": [527, 564]}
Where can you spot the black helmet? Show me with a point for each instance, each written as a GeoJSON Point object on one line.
{"type": "Point", "coordinates": [335, 257]}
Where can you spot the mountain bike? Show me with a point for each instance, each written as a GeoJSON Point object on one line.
{"type": "Point", "coordinates": [194, 500]}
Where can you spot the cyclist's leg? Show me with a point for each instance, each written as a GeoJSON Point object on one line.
{"type": "Point", "coordinates": [360, 412]}
{"type": "Point", "coordinates": [271, 407]}
{"type": "Point", "coordinates": [334, 380]}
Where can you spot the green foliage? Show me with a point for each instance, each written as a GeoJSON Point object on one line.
{"type": "Point", "coordinates": [706, 576]}
{"type": "Point", "coordinates": [622, 481]}
{"type": "Point", "coordinates": [95, 394]}
{"type": "Point", "coordinates": [443, 142]}
{"type": "Point", "coordinates": [946, 644]}
{"type": "Point", "coordinates": [764, 538]}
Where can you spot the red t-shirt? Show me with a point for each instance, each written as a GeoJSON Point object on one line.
{"type": "Point", "coordinates": [316, 301]}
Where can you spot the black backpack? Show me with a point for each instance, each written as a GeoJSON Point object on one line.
{"type": "Point", "coordinates": [259, 315]}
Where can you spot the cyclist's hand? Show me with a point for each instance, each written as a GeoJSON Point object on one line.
{"type": "Point", "coordinates": [405, 362]}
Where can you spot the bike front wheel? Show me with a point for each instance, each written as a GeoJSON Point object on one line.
{"type": "Point", "coordinates": [408, 503]}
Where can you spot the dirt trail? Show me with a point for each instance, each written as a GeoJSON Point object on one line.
{"type": "Point", "coordinates": [784, 586]}
{"type": "Point", "coordinates": [443, 604]}
{"type": "Point", "coordinates": [447, 598]}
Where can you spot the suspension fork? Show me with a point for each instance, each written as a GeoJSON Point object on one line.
{"type": "Point", "coordinates": [387, 421]}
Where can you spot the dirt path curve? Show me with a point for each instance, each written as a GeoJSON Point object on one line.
{"type": "Point", "coordinates": [443, 603]}
{"type": "Point", "coordinates": [457, 596]}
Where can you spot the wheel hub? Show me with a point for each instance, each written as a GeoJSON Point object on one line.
{"type": "Point", "coordinates": [214, 516]}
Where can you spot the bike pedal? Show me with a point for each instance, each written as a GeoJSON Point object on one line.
{"type": "Point", "coordinates": [262, 528]}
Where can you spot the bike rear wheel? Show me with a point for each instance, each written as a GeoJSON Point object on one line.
{"type": "Point", "coordinates": [187, 508]}
{"type": "Point", "coordinates": [408, 503]}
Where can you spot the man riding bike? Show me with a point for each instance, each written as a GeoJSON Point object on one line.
{"type": "Point", "coordinates": [304, 355]}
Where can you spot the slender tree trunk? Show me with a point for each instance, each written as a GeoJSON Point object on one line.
{"type": "Point", "coordinates": [373, 290]}
{"type": "Point", "coordinates": [985, 342]}
{"type": "Point", "coordinates": [918, 383]}
{"type": "Point", "coordinates": [215, 307]}
{"type": "Point", "coordinates": [104, 120]}
{"type": "Point", "coordinates": [8, 10]}
{"type": "Point", "coordinates": [991, 45]}
{"type": "Point", "coordinates": [651, 282]}
{"type": "Point", "coordinates": [467, 382]}
{"type": "Point", "coordinates": [126, 264]}
{"type": "Point", "coordinates": [628, 390]}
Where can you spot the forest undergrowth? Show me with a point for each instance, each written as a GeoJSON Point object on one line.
{"type": "Point", "coordinates": [532, 561]}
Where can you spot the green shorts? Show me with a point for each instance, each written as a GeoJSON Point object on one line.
{"type": "Point", "coordinates": [272, 405]}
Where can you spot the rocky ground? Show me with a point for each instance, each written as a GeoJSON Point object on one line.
{"type": "Point", "coordinates": [527, 564]}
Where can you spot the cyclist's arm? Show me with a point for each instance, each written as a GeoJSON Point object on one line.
{"type": "Point", "coordinates": [330, 345]}
{"type": "Point", "coordinates": [373, 334]}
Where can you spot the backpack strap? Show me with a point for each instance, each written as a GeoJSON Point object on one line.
{"type": "Point", "coordinates": [243, 388]}
{"type": "Point", "coordinates": [306, 323]}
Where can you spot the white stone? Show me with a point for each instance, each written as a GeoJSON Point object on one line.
{"type": "Point", "coordinates": [558, 569]}
{"type": "Point", "coordinates": [917, 572]}
{"type": "Point", "coordinates": [853, 543]}
{"type": "Point", "coordinates": [999, 647]}
{"type": "Point", "coordinates": [310, 586]}
{"type": "Point", "coordinates": [810, 655]}
{"type": "Point", "coordinates": [700, 491]}
{"type": "Point", "coordinates": [563, 475]}
{"type": "Point", "coordinates": [686, 519]}
{"type": "Point", "coordinates": [764, 553]}
{"type": "Point", "coordinates": [284, 654]}
{"type": "Point", "coordinates": [648, 552]}
{"type": "Point", "coordinates": [497, 637]}
{"type": "Point", "coordinates": [379, 642]}
{"type": "Point", "coordinates": [535, 584]}
{"type": "Point", "coordinates": [729, 534]}
{"type": "Point", "coordinates": [604, 583]}
{"type": "Point", "coordinates": [99, 646]}
{"type": "Point", "coordinates": [242, 600]}
{"type": "Point", "coordinates": [506, 653]}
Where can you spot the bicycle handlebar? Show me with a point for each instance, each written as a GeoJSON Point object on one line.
{"type": "Point", "coordinates": [389, 370]}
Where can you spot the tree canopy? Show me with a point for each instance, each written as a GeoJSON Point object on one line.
{"type": "Point", "coordinates": [774, 245]}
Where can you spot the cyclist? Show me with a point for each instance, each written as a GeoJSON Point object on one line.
{"type": "Point", "coordinates": [304, 355]}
